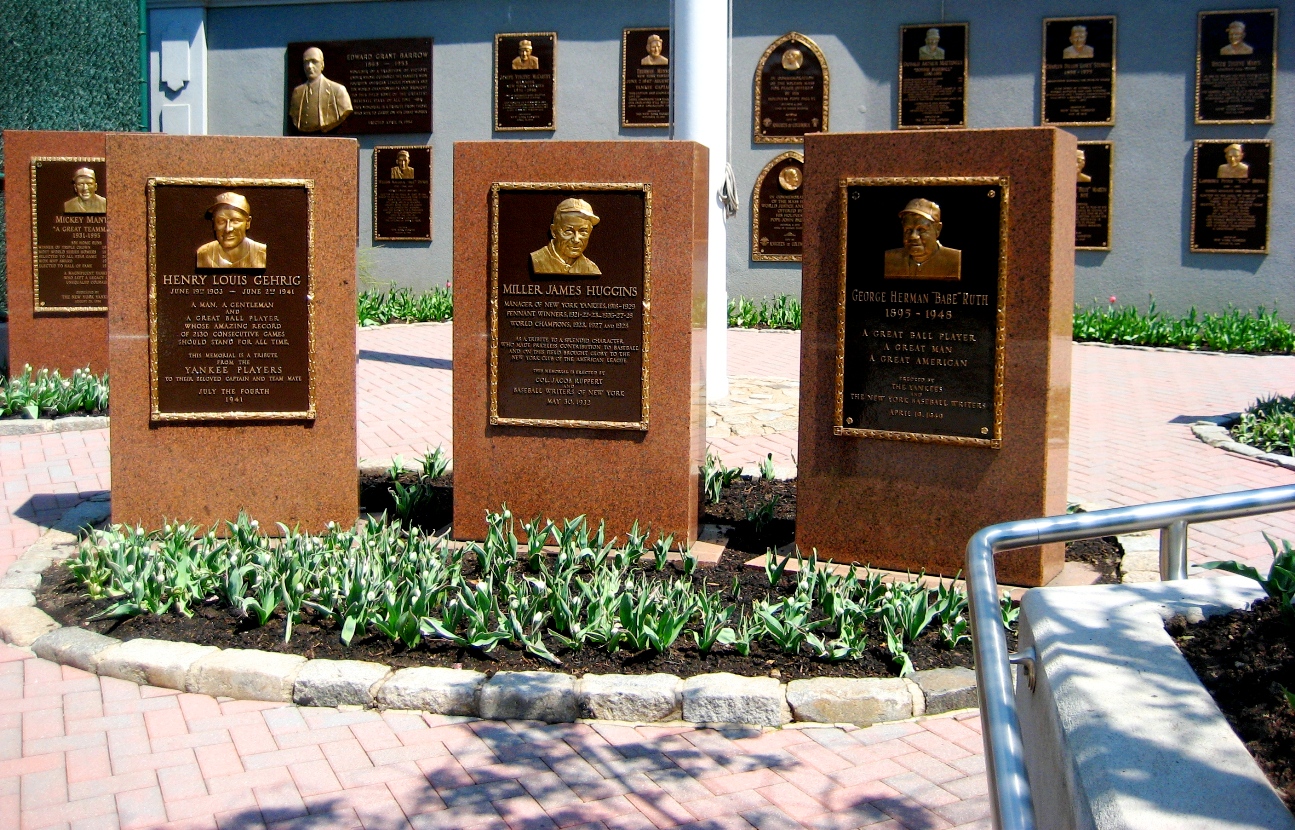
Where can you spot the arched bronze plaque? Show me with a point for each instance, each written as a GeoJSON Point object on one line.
{"type": "Point", "coordinates": [776, 210]}
{"type": "Point", "coordinates": [791, 91]}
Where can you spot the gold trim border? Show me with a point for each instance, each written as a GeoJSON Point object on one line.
{"type": "Point", "coordinates": [1000, 324]}
{"type": "Point", "coordinates": [624, 70]}
{"type": "Point", "coordinates": [493, 343]}
{"type": "Point", "coordinates": [1272, 81]}
{"type": "Point", "coordinates": [37, 308]}
{"type": "Point", "coordinates": [1043, 77]}
{"type": "Point", "coordinates": [757, 137]}
{"type": "Point", "coordinates": [1110, 194]}
{"type": "Point", "coordinates": [1268, 203]}
{"type": "Point", "coordinates": [156, 415]}
{"type": "Point", "coordinates": [373, 220]}
{"type": "Point", "coordinates": [966, 73]}
{"type": "Point", "coordinates": [755, 210]}
{"type": "Point", "coordinates": [495, 92]}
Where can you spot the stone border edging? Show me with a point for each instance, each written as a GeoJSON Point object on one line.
{"type": "Point", "coordinates": [251, 674]}
{"type": "Point", "coordinates": [33, 426]}
{"type": "Point", "coordinates": [1136, 347]}
{"type": "Point", "coordinates": [1216, 435]}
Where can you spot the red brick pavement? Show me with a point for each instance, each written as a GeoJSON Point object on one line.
{"type": "Point", "coordinates": [78, 751]}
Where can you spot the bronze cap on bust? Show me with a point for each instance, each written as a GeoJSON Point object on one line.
{"type": "Point", "coordinates": [573, 222]}
{"type": "Point", "coordinates": [230, 216]}
{"type": "Point", "coordinates": [86, 200]}
{"type": "Point", "coordinates": [922, 257]}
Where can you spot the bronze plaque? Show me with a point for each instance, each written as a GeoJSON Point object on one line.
{"type": "Point", "coordinates": [921, 317]}
{"type": "Point", "coordinates": [570, 291]}
{"type": "Point", "coordinates": [933, 76]}
{"type": "Point", "coordinates": [69, 235]}
{"type": "Point", "coordinates": [791, 91]}
{"type": "Point", "coordinates": [776, 209]}
{"type": "Point", "coordinates": [645, 77]}
{"type": "Point", "coordinates": [359, 87]}
{"type": "Point", "coordinates": [1236, 66]}
{"type": "Point", "coordinates": [402, 194]}
{"type": "Point", "coordinates": [1231, 182]}
{"type": "Point", "coordinates": [1093, 195]}
{"type": "Point", "coordinates": [1078, 72]}
{"type": "Point", "coordinates": [231, 334]}
{"type": "Point", "coordinates": [526, 81]}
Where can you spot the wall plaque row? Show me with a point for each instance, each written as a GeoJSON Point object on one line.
{"type": "Point", "coordinates": [402, 193]}
{"type": "Point", "coordinates": [231, 330]}
{"type": "Point", "coordinates": [792, 86]}
{"type": "Point", "coordinates": [645, 77]}
{"type": "Point", "coordinates": [1231, 187]}
{"type": "Point", "coordinates": [1095, 161]}
{"type": "Point", "coordinates": [1078, 86]}
{"type": "Point", "coordinates": [1236, 66]}
{"type": "Point", "coordinates": [933, 76]}
{"type": "Point", "coordinates": [777, 207]}
{"type": "Point", "coordinates": [69, 235]}
{"type": "Point", "coordinates": [570, 286]}
{"type": "Point", "coordinates": [525, 81]}
{"type": "Point", "coordinates": [359, 87]}
{"type": "Point", "coordinates": [921, 318]}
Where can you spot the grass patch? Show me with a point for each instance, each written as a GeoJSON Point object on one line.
{"type": "Point", "coordinates": [402, 305]}
{"type": "Point", "coordinates": [1259, 332]}
{"type": "Point", "coordinates": [46, 393]}
{"type": "Point", "coordinates": [1269, 425]}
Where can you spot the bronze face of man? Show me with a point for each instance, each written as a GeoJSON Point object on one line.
{"type": "Point", "coordinates": [1081, 159]}
{"type": "Point", "coordinates": [1235, 168]}
{"type": "Point", "coordinates": [402, 170]}
{"type": "Point", "coordinates": [87, 200]}
{"type": "Point", "coordinates": [931, 51]}
{"type": "Point", "coordinates": [573, 223]}
{"type": "Point", "coordinates": [1078, 48]}
{"type": "Point", "coordinates": [231, 216]}
{"type": "Point", "coordinates": [1237, 40]}
{"type": "Point", "coordinates": [922, 257]}
{"type": "Point", "coordinates": [654, 56]}
{"type": "Point", "coordinates": [525, 59]}
{"type": "Point", "coordinates": [318, 105]}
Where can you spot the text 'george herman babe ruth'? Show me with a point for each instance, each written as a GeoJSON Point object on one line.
{"type": "Point", "coordinates": [922, 257]}
{"type": "Point", "coordinates": [573, 222]}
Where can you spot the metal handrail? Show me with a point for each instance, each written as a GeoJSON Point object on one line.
{"type": "Point", "coordinates": [1009, 786]}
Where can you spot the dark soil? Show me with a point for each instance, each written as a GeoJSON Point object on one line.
{"type": "Point", "coordinates": [1244, 659]}
{"type": "Point", "coordinates": [751, 535]}
{"type": "Point", "coordinates": [1103, 554]}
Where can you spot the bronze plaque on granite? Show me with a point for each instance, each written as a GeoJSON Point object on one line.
{"type": "Point", "coordinates": [402, 194]}
{"type": "Point", "coordinates": [525, 80]}
{"type": "Point", "coordinates": [921, 317]}
{"type": "Point", "coordinates": [570, 290]}
{"type": "Point", "coordinates": [645, 77]}
{"type": "Point", "coordinates": [933, 76]}
{"type": "Point", "coordinates": [1078, 72]}
{"type": "Point", "coordinates": [1236, 66]}
{"type": "Point", "coordinates": [69, 235]}
{"type": "Point", "coordinates": [777, 203]}
{"type": "Point", "coordinates": [359, 87]}
{"type": "Point", "coordinates": [231, 333]}
{"type": "Point", "coordinates": [791, 91]}
{"type": "Point", "coordinates": [1094, 163]}
{"type": "Point", "coordinates": [1231, 183]}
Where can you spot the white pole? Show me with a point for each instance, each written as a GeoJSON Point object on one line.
{"type": "Point", "coordinates": [699, 45]}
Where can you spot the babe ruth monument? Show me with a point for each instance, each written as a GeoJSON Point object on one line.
{"type": "Point", "coordinates": [935, 376]}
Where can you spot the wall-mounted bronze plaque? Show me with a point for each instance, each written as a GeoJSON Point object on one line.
{"type": "Point", "coordinates": [402, 194]}
{"type": "Point", "coordinates": [1078, 72]}
{"type": "Point", "coordinates": [69, 235]}
{"type": "Point", "coordinates": [921, 324]}
{"type": "Point", "coordinates": [359, 87]}
{"type": "Point", "coordinates": [933, 76]}
{"type": "Point", "coordinates": [1094, 164]}
{"type": "Point", "coordinates": [526, 74]}
{"type": "Point", "coordinates": [570, 290]}
{"type": "Point", "coordinates": [1236, 66]}
{"type": "Point", "coordinates": [776, 209]}
{"type": "Point", "coordinates": [1231, 183]}
{"type": "Point", "coordinates": [231, 322]}
{"type": "Point", "coordinates": [792, 89]}
{"type": "Point", "coordinates": [645, 77]}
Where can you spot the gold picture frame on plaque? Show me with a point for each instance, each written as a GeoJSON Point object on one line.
{"type": "Point", "coordinates": [1073, 54]}
{"type": "Point", "coordinates": [784, 183]}
{"type": "Point", "coordinates": [795, 63]}
{"type": "Point", "coordinates": [1252, 160]}
{"type": "Point", "coordinates": [657, 58]}
{"type": "Point", "coordinates": [526, 60]}
{"type": "Point", "coordinates": [99, 207]}
{"type": "Point", "coordinates": [1241, 49]}
{"type": "Point", "coordinates": [247, 186]}
{"type": "Point", "coordinates": [936, 54]}
{"type": "Point", "coordinates": [897, 303]}
{"type": "Point", "coordinates": [391, 174]}
{"type": "Point", "coordinates": [582, 270]}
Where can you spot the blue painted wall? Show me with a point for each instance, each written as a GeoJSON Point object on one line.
{"type": "Point", "coordinates": [1152, 136]}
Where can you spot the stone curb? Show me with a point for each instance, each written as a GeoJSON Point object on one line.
{"type": "Point", "coordinates": [1171, 349]}
{"type": "Point", "coordinates": [250, 674]}
{"type": "Point", "coordinates": [32, 426]}
{"type": "Point", "coordinates": [1216, 435]}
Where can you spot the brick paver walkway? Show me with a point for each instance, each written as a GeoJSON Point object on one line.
{"type": "Point", "coordinates": [77, 751]}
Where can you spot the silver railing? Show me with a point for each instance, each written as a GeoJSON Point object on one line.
{"type": "Point", "coordinates": [1009, 786]}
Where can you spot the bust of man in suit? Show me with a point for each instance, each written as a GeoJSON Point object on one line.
{"type": "Point", "coordinates": [922, 257]}
{"type": "Point", "coordinates": [86, 200]}
{"type": "Point", "coordinates": [318, 105]}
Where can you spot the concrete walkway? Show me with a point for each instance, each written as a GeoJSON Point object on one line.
{"type": "Point", "coordinates": [77, 751]}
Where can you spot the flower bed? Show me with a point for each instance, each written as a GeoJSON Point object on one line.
{"type": "Point", "coordinates": [47, 394]}
{"type": "Point", "coordinates": [1268, 425]}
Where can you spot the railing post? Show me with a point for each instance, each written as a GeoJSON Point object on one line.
{"type": "Point", "coordinates": [1173, 551]}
